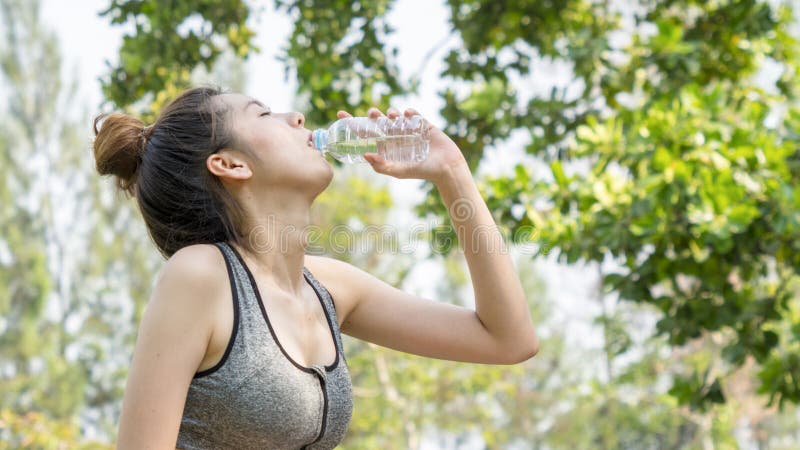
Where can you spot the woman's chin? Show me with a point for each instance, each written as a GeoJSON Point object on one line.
{"type": "Point", "coordinates": [323, 174]}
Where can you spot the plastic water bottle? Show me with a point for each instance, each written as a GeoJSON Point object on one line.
{"type": "Point", "coordinates": [404, 139]}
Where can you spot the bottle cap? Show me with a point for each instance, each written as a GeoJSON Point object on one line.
{"type": "Point", "coordinates": [319, 139]}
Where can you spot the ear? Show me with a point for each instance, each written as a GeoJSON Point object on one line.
{"type": "Point", "coordinates": [228, 165]}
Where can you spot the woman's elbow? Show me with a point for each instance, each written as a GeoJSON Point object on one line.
{"type": "Point", "coordinates": [530, 351]}
{"type": "Point", "coordinates": [521, 353]}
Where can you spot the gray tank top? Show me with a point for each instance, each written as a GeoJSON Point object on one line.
{"type": "Point", "coordinates": [257, 396]}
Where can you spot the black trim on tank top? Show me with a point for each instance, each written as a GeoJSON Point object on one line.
{"type": "Point", "coordinates": [328, 319]}
{"type": "Point", "coordinates": [254, 288]}
{"type": "Point", "coordinates": [333, 303]}
{"type": "Point", "coordinates": [234, 332]}
{"type": "Point", "coordinates": [338, 342]}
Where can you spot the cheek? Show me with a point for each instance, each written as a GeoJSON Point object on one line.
{"type": "Point", "coordinates": [285, 161]}
{"type": "Point", "coordinates": [273, 143]}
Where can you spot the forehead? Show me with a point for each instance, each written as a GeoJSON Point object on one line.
{"type": "Point", "coordinates": [238, 102]}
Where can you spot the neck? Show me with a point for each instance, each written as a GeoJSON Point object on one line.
{"type": "Point", "coordinates": [276, 229]}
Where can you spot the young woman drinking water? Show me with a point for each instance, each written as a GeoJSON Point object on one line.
{"type": "Point", "coordinates": [239, 345]}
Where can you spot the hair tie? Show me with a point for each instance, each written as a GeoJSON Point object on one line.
{"type": "Point", "coordinates": [143, 137]}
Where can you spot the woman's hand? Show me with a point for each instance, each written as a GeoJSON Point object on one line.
{"type": "Point", "coordinates": [444, 157]}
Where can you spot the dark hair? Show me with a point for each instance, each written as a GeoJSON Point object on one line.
{"type": "Point", "coordinates": [164, 167]}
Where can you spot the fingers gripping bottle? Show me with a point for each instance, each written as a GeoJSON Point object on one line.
{"type": "Point", "coordinates": [404, 139]}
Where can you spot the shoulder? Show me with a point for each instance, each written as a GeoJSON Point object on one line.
{"type": "Point", "coordinates": [198, 259]}
{"type": "Point", "coordinates": [341, 279]}
{"type": "Point", "coordinates": [325, 263]}
{"type": "Point", "coordinates": [192, 281]}
{"type": "Point", "coordinates": [174, 336]}
{"type": "Point", "coordinates": [331, 270]}
{"type": "Point", "coordinates": [196, 267]}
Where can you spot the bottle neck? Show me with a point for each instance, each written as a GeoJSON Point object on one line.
{"type": "Point", "coordinates": [319, 140]}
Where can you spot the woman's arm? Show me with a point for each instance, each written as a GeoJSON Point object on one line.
{"type": "Point", "coordinates": [498, 331]}
{"type": "Point", "coordinates": [172, 341]}
{"type": "Point", "coordinates": [499, 298]}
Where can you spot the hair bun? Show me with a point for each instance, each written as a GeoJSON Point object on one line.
{"type": "Point", "coordinates": [118, 148]}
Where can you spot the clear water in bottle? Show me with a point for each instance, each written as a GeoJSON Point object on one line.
{"type": "Point", "coordinates": [404, 139]}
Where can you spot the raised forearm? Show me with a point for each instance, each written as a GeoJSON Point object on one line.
{"type": "Point", "coordinates": [499, 298]}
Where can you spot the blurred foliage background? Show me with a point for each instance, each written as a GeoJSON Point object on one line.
{"type": "Point", "coordinates": [664, 174]}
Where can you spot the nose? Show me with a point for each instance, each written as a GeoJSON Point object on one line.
{"type": "Point", "coordinates": [296, 119]}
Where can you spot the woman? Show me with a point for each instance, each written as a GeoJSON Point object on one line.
{"type": "Point", "coordinates": [239, 345]}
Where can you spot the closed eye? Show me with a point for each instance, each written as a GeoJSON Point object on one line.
{"type": "Point", "coordinates": [266, 113]}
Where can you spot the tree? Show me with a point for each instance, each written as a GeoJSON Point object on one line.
{"type": "Point", "coordinates": [669, 160]}
{"type": "Point", "coordinates": [36, 375]}
{"type": "Point", "coordinates": [61, 297]}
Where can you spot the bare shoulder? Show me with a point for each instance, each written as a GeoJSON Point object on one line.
{"type": "Point", "coordinates": [200, 265]}
{"type": "Point", "coordinates": [340, 278]}
{"type": "Point", "coordinates": [173, 338]}
{"type": "Point", "coordinates": [191, 294]}
{"type": "Point", "coordinates": [197, 261]}
{"type": "Point", "coordinates": [191, 279]}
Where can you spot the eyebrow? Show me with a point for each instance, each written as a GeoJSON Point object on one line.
{"type": "Point", "coordinates": [254, 102]}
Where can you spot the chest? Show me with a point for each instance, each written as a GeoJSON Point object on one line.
{"type": "Point", "coordinates": [260, 399]}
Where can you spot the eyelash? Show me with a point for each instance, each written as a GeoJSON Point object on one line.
{"type": "Point", "coordinates": [266, 113]}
